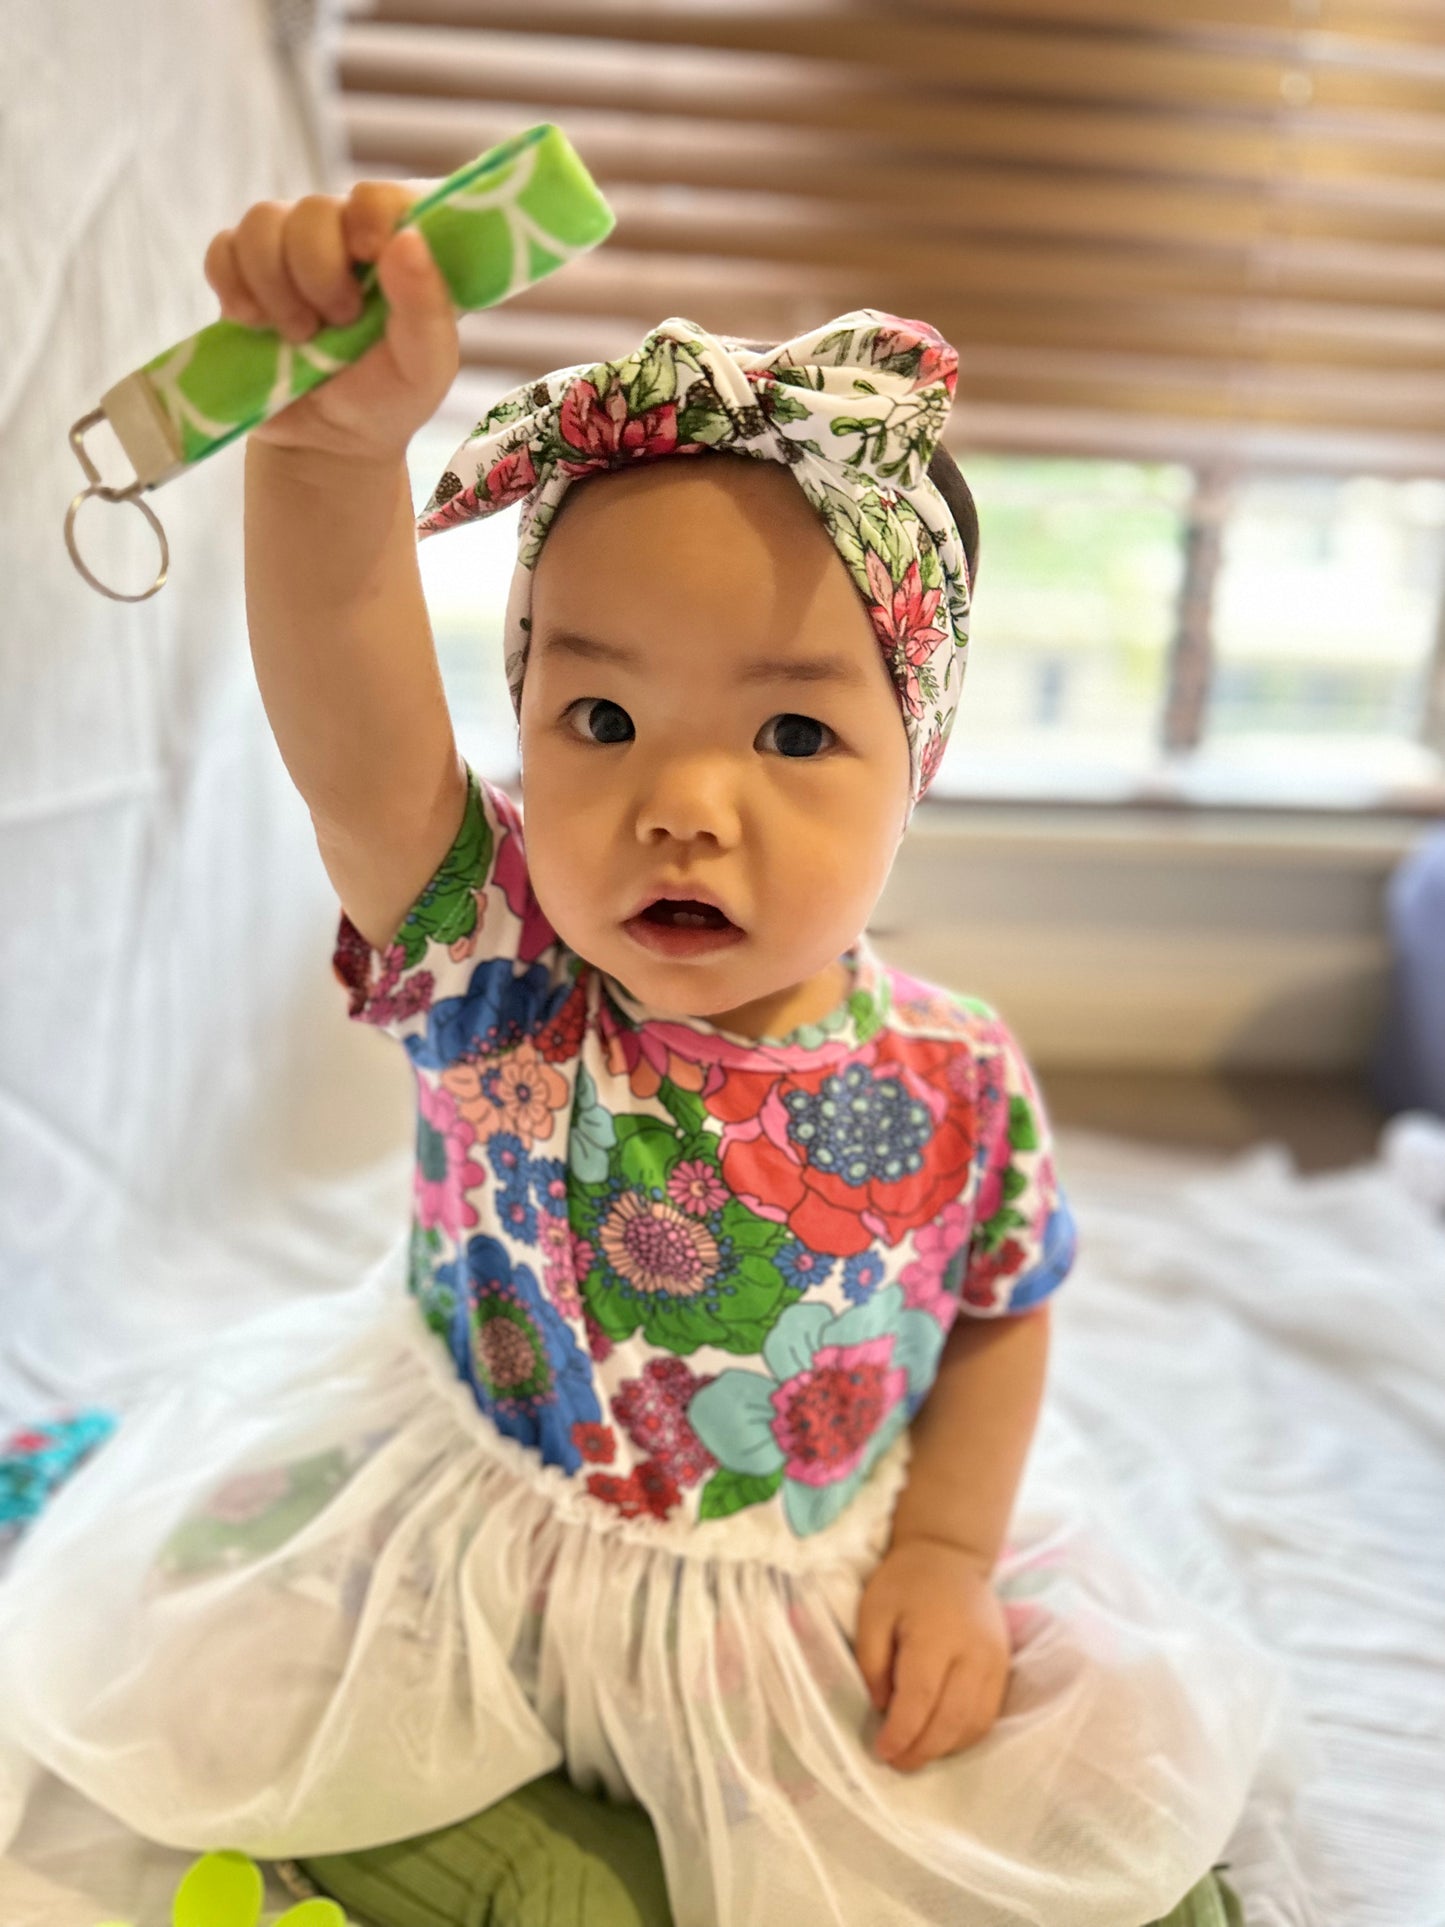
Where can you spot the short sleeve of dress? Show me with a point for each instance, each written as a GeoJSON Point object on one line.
{"type": "Point", "coordinates": [478, 906]}
{"type": "Point", "coordinates": [1024, 1239]}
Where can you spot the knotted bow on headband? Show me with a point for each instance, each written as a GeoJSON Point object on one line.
{"type": "Point", "coordinates": [854, 408]}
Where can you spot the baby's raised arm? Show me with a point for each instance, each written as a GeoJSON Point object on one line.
{"type": "Point", "coordinates": [339, 630]}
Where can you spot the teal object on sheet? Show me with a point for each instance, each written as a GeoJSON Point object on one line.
{"type": "Point", "coordinates": [552, 1856]}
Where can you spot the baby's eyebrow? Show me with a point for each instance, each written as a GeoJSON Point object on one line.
{"type": "Point", "coordinates": [803, 669]}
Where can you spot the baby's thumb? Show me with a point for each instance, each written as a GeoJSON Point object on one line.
{"type": "Point", "coordinates": [421, 328]}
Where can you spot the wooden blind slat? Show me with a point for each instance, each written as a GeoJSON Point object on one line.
{"type": "Point", "coordinates": [1197, 227]}
{"type": "Point", "coordinates": [767, 161]}
{"type": "Point", "coordinates": [1183, 69]}
{"type": "Point", "coordinates": [761, 89]}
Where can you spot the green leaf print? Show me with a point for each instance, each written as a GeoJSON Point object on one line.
{"type": "Point", "coordinates": [993, 1234]}
{"type": "Point", "coordinates": [688, 1109]}
{"type": "Point", "coordinates": [749, 1232]}
{"type": "Point", "coordinates": [728, 1492]}
{"type": "Point", "coordinates": [702, 422]}
{"type": "Point", "coordinates": [684, 1280]}
{"type": "Point", "coordinates": [1022, 1132]}
{"type": "Point", "coordinates": [646, 1152]}
{"type": "Point", "coordinates": [779, 404]}
{"type": "Point", "coordinates": [864, 1013]}
{"type": "Point", "coordinates": [655, 382]}
{"type": "Point", "coordinates": [1014, 1181]}
{"type": "Point", "coordinates": [447, 908]}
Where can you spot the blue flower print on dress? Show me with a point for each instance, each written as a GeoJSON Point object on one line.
{"type": "Point", "coordinates": [507, 1156]}
{"type": "Point", "coordinates": [518, 1355]}
{"type": "Point", "coordinates": [803, 1268]}
{"type": "Point", "coordinates": [863, 1274]}
{"type": "Point", "coordinates": [498, 1009]}
{"type": "Point", "coordinates": [842, 1388]}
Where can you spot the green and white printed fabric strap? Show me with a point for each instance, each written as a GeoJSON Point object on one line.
{"type": "Point", "coordinates": [854, 408]}
{"type": "Point", "coordinates": [507, 219]}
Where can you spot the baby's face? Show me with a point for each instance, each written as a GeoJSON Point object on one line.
{"type": "Point", "coordinates": [784, 798]}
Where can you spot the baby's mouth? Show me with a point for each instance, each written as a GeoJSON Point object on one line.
{"type": "Point", "coordinates": [686, 913]}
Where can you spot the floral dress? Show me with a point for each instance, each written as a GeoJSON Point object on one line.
{"type": "Point", "coordinates": [590, 1470]}
{"type": "Point", "coordinates": [698, 1272]}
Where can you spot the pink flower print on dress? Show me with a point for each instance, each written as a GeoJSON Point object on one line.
{"type": "Point", "coordinates": [935, 1247]}
{"type": "Point", "coordinates": [654, 1247]}
{"type": "Point", "coordinates": [696, 1188]}
{"type": "Point", "coordinates": [511, 876]}
{"type": "Point", "coordinates": [652, 1410]}
{"type": "Point", "coordinates": [554, 1236]}
{"type": "Point", "coordinates": [649, 1055]}
{"type": "Point", "coordinates": [836, 1393]}
{"type": "Point", "coordinates": [827, 1416]}
{"type": "Point", "coordinates": [445, 1172]}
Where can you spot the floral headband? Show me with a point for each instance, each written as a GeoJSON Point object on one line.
{"type": "Point", "coordinates": [854, 408]}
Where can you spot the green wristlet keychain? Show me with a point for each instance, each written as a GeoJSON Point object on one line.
{"type": "Point", "coordinates": [506, 220]}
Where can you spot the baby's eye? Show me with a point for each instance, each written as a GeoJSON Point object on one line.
{"type": "Point", "coordinates": [612, 715]}
{"type": "Point", "coordinates": [798, 736]}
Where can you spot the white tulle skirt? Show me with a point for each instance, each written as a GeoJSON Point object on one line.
{"type": "Point", "coordinates": [310, 1600]}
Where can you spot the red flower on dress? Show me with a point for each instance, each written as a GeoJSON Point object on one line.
{"type": "Point", "coordinates": [559, 1040]}
{"type": "Point", "coordinates": [981, 1284]}
{"type": "Point", "coordinates": [781, 1134]}
{"type": "Point", "coordinates": [597, 1443]}
{"type": "Point", "coordinates": [647, 1489]}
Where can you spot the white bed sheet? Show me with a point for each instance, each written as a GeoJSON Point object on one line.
{"type": "Point", "coordinates": [1258, 1357]}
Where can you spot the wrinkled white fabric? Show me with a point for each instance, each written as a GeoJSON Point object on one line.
{"type": "Point", "coordinates": [177, 1088]}
{"type": "Point", "coordinates": [450, 1617]}
{"type": "Point", "coordinates": [1255, 1361]}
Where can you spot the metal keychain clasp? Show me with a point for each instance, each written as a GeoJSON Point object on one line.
{"type": "Point", "coordinates": [131, 494]}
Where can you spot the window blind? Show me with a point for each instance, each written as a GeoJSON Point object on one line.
{"type": "Point", "coordinates": [1207, 231]}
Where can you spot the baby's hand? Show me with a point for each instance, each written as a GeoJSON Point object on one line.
{"type": "Point", "coordinates": [944, 1684]}
{"type": "Point", "coordinates": [291, 266]}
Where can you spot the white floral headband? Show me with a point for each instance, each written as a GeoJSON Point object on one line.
{"type": "Point", "coordinates": [854, 408]}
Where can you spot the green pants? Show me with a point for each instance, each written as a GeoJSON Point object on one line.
{"type": "Point", "coordinates": [552, 1856]}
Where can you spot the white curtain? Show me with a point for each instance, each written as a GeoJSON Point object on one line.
{"type": "Point", "coordinates": [189, 1127]}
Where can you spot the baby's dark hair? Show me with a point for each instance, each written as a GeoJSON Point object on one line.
{"type": "Point", "coordinates": [947, 477]}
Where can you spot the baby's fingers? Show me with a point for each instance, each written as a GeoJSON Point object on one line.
{"type": "Point", "coordinates": [873, 1647]}
{"type": "Point", "coordinates": [314, 249]}
{"type": "Point", "coordinates": [256, 249]}
{"type": "Point", "coordinates": [374, 210]}
{"type": "Point", "coordinates": [224, 274]}
{"type": "Point", "coordinates": [918, 1676]}
{"type": "Point", "coordinates": [955, 1721]}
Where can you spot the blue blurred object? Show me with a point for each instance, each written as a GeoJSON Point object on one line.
{"type": "Point", "coordinates": [1407, 1068]}
{"type": "Point", "coordinates": [38, 1458]}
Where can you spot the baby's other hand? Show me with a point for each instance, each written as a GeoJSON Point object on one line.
{"type": "Point", "coordinates": [933, 1646]}
{"type": "Point", "coordinates": [292, 266]}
